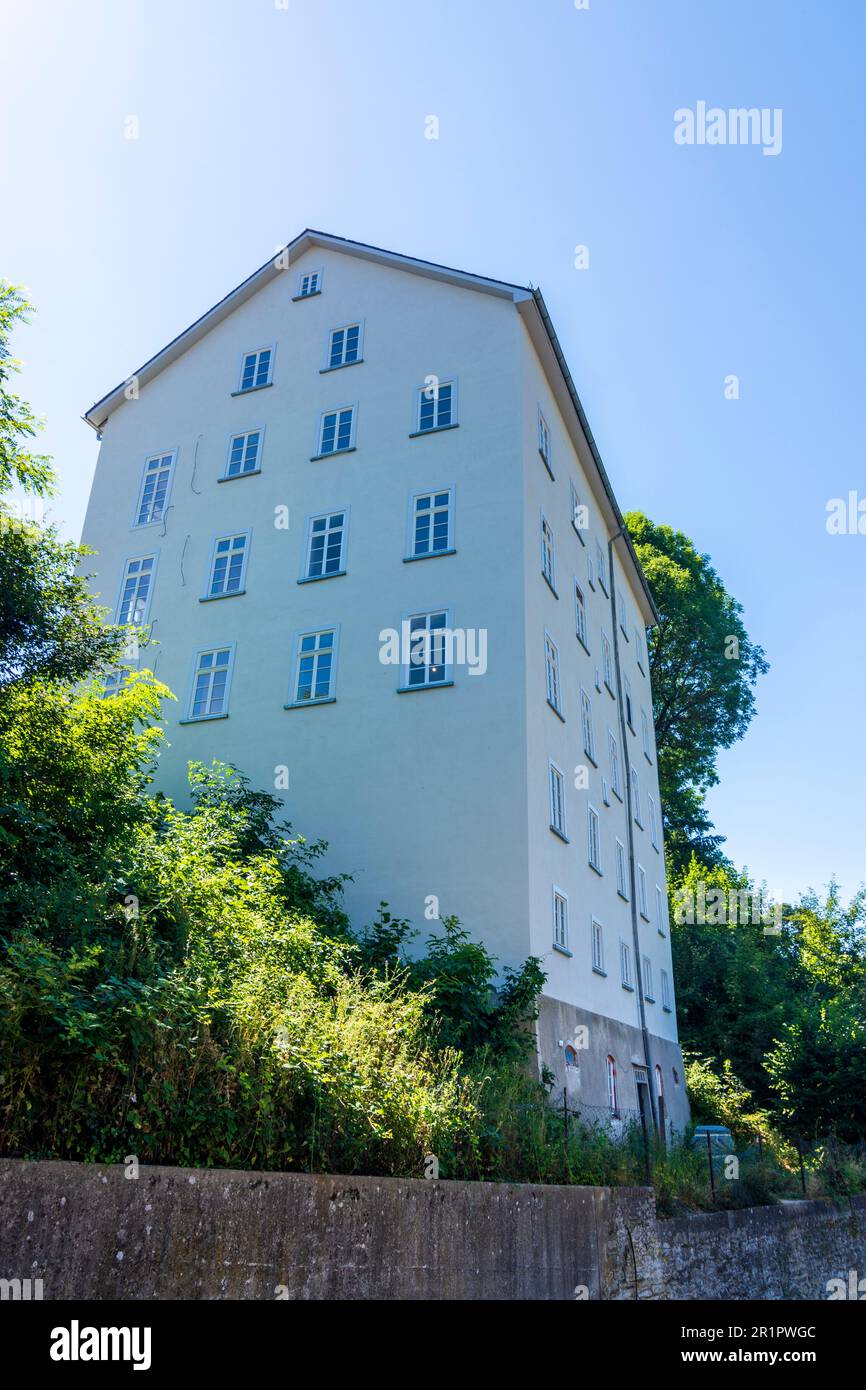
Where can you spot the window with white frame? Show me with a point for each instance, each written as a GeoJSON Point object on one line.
{"type": "Point", "coordinates": [666, 991]}
{"type": "Point", "coordinates": [244, 451]}
{"type": "Point", "coordinates": [560, 920]}
{"type": "Point", "coordinates": [344, 345]}
{"type": "Point", "coordinates": [210, 684]}
{"type": "Point", "coordinates": [326, 545]}
{"type": "Point", "coordinates": [228, 565]}
{"type": "Point", "coordinates": [590, 569]}
{"type": "Point", "coordinates": [256, 369]}
{"type": "Point", "coordinates": [621, 878]}
{"type": "Point", "coordinates": [612, 1094]}
{"type": "Point", "coordinates": [113, 682]}
{"type": "Point", "coordinates": [436, 406]}
{"type": "Point", "coordinates": [315, 666]}
{"type": "Point", "coordinates": [645, 735]}
{"type": "Point", "coordinates": [621, 610]}
{"type": "Point", "coordinates": [635, 797]}
{"type": "Point", "coordinates": [625, 965]}
{"type": "Point", "coordinates": [586, 725]}
{"type": "Point", "coordinates": [548, 553]}
{"type": "Point", "coordinates": [647, 972]}
{"type": "Point", "coordinates": [661, 915]}
{"type": "Point", "coordinates": [639, 649]}
{"type": "Point", "coordinates": [557, 799]}
{"type": "Point", "coordinates": [427, 650]}
{"type": "Point", "coordinates": [135, 591]}
{"type": "Point", "coordinates": [613, 755]}
{"type": "Point", "coordinates": [551, 671]}
{"type": "Point", "coordinates": [309, 283]}
{"type": "Point", "coordinates": [544, 440]}
{"type": "Point", "coordinates": [607, 662]}
{"type": "Point", "coordinates": [337, 430]}
{"type": "Point", "coordinates": [629, 715]}
{"type": "Point", "coordinates": [579, 514]}
{"type": "Point", "coordinates": [653, 823]}
{"type": "Point", "coordinates": [601, 565]}
{"type": "Point", "coordinates": [597, 934]}
{"type": "Point", "coordinates": [643, 904]}
{"type": "Point", "coordinates": [432, 522]}
{"type": "Point", "coordinates": [593, 839]}
{"type": "Point", "coordinates": [155, 485]}
{"type": "Point", "coordinates": [580, 615]}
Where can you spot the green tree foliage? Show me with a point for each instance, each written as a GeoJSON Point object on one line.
{"type": "Point", "coordinates": [18, 425]}
{"type": "Point", "coordinates": [704, 668]}
{"type": "Point", "coordinates": [817, 1071]}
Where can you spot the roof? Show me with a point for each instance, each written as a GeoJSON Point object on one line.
{"type": "Point", "coordinates": [528, 301]}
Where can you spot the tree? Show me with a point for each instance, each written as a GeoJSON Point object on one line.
{"type": "Point", "coordinates": [18, 424]}
{"type": "Point", "coordinates": [817, 1072]}
{"type": "Point", "coordinates": [704, 668]}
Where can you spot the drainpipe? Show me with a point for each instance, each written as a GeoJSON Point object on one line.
{"type": "Point", "coordinates": [626, 758]}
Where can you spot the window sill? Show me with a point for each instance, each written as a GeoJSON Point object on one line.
{"type": "Point", "coordinates": [630, 988]}
{"type": "Point", "coordinates": [597, 970]}
{"type": "Point", "coordinates": [544, 460]}
{"type": "Point", "coordinates": [314, 294]}
{"type": "Point", "coordinates": [666, 1008]}
{"type": "Point", "coordinates": [437, 429]}
{"type": "Point", "coordinates": [552, 706]}
{"type": "Point", "coordinates": [661, 933]}
{"type": "Point", "coordinates": [549, 585]}
{"type": "Point", "coordinates": [335, 453]}
{"type": "Point", "coordinates": [431, 555]}
{"type": "Point", "coordinates": [202, 718]}
{"type": "Point", "coordinates": [323, 371]}
{"type": "Point", "coordinates": [648, 758]}
{"type": "Point", "coordinates": [233, 477]}
{"type": "Point", "coordinates": [563, 950]}
{"type": "Point", "coordinates": [248, 390]}
{"type": "Point", "coordinates": [559, 835]}
{"type": "Point", "coordinates": [317, 578]}
{"type": "Point", "coordinates": [213, 598]}
{"type": "Point", "coordinates": [583, 644]}
{"type": "Point", "coordinates": [620, 894]}
{"type": "Point", "coordinates": [648, 999]}
{"type": "Point", "coordinates": [609, 691]}
{"type": "Point", "coordinates": [595, 868]}
{"type": "Point", "coordinates": [578, 531]}
{"type": "Point", "coordinates": [590, 759]}
{"type": "Point", "coordinates": [618, 795]}
{"type": "Point", "coordinates": [644, 917]}
{"type": "Point", "coordinates": [414, 689]}
{"type": "Point", "coordinates": [304, 704]}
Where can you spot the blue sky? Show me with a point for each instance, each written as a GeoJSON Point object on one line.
{"type": "Point", "coordinates": [555, 130]}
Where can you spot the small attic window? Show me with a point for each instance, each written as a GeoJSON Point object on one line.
{"type": "Point", "coordinates": [309, 283]}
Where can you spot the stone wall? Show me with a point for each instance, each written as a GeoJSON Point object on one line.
{"type": "Point", "coordinates": [91, 1232]}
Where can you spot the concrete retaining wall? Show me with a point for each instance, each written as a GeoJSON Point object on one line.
{"type": "Point", "coordinates": [91, 1232]}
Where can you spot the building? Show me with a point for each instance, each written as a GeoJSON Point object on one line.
{"type": "Point", "coordinates": [272, 491]}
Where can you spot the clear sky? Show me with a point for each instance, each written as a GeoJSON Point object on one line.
{"type": "Point", "coordinates": [556, 125]}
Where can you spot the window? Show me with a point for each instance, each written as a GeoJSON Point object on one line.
{"type": "Point", "coordinates": [642, 901]}
{"type": "Point", "coordinates": [310, 283]}
{"type": "Point", "coordinates": [580, 615]}
{"type": "Point", "coordinates": [228, 565]}
{"type": "Point", "coordinates": [621, 878]}
{"type": "Point", "coordinates": [639, 649]}
{"type": "Point", "coordinates": [544, 442]}
{"type": "Point", "coordinates": [597, 934]}
{"type": "Point", "coordinates": [431, 523]}
{"type": "Point", "coordinates": [427, 651]}
{"type": "Point", "coordinates": [210, 685]}
{"type": "Point", "coordinates": [244, 451]}
{"type": "Point", "coordinates": [315, 667]}
{"type": "Point", "coordinates": [551, 664]}
{"type": "Point", "coordinates": [436, 406]}
{"type": "Point", "coordinates": [344, 346]}
{"type": "Point", "coordinates": [548, 553]}
{"type": "Point", "coordinates": [155, 484]}
{"type": "Point", "coordinates": [594, 839]}
{"type": "Point", "coordinates": [570, 1057]}
{"type": "Point", "coordinates": [606, 662]}
{"type": "Point", "coordinates": [590, 570]}
{"type": "Point", "coordinates": [579, 515]}
{"type": "Point", "coordinates": [645, 735]}
{"type": "Point", "coordinates": [337, 430]}
{"type": "Point", "coordinates": [613, 755]}
{"type": "Point", "coordinates": [135, 591]}
{"type": "Point", "coordinates": [629, 718]}
{"type": "Point", "coordinates": [557, 799]}
{"type": "Point", "coordinates": [326, 545]}
{"type": "Point", "coordinates": [625, 965]}
{"type": "Point", "coordinates": [256, 369]}
{"type": "Point", "coordinates": [586, 725]}
{"type": "Point", "coordinates": [666, 992]}
{"type": "Point", "coordinates": [605, 794]}
{"type": "Point", "coordinates": [620, 608]}
{"type": "Point", "coordinates": [635, 797]}
{"type": "Point", "coordinates": [661, 915]}
{"type": "Point", "coordinates": [653, 823]}
{"type": "Point", "coordinates": [612, 1097]}
{"type": "Point", "coordinates": [647, 980]}
{"type": "Point", "coordinates": [113, 682]}
{"type": "Point", "coordinates": [601, 565]}
{"type": "Point", "coordinates": [560, 920]}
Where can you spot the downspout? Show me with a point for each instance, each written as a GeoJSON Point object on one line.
{"type": "Point", "coordinates": [626, 758]}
